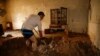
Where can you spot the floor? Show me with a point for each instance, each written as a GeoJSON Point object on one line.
{"type": "Point", "coordinates": [74, 44]}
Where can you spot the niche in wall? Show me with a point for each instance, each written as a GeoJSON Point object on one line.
{"type": "Point", "coordinates": [9, 26]}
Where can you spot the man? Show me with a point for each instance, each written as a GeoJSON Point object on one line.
{"type": "Point", "coordinates": [27, 27]}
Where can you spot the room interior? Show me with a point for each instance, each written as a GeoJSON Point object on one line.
{"type": "Point", "coordinates": [73, 20]}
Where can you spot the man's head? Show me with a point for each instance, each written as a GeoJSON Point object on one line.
{"type": "Point", "coordinates": [41, 14]}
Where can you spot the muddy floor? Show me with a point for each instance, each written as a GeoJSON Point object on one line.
{"type": "Point", "coordinates": [79, 45]}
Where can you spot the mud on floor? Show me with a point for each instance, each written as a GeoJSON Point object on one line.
{"type": "Point", "coordinates": [58, 47]}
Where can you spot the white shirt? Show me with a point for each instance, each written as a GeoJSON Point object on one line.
{"type": "Point", "coordinates": [32, 22]}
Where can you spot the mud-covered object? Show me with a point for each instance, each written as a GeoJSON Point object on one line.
{"type": "Point", "coordinates": [44, 41]}
{"type": "Point", "coordinates": [1, 30]}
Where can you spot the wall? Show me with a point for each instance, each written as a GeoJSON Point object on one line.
{"type": "Point", "coordinates": [18, 10]}
{"type": "Point", "coordinates": [3, 18]}
{"type": "Point", "coordinates": [94, 22]}
{"type": "Point", "coordinates": [77, 12]}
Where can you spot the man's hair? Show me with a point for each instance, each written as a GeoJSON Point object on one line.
{"type": "Point", "coordinates": [41, 13]}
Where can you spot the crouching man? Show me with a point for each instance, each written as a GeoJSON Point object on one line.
{"type": "Point", "coordinates": [27, 27]}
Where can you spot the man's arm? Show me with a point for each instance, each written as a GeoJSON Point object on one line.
{"type": "Point", "coordinates": [40, 28]}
